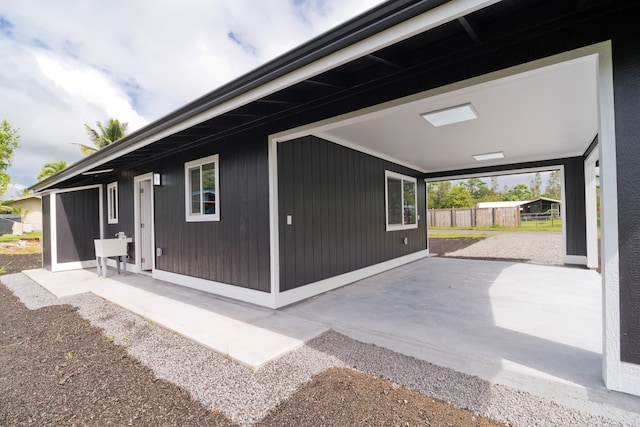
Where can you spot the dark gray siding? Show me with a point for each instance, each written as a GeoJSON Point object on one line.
{"type": "Point", "coordinates": [336, 197]}
{"type": "Point", "coordinates": [125, 208]}
{"type": "Point", "coordinates": [575, 205]}
{"type": "Point", "coordinates": [46, 232]}
{"type": "Point", "coordinates": [626, 63]}
{"type": "Point", "coordinates": [77, 224]}
{"type": "Point", "coordinates": [234, 250]}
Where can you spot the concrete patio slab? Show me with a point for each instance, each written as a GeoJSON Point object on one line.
{"type": "Point", "coordinates": [248, 334]}
{"type": "Point", "coordinates": [533, 327]}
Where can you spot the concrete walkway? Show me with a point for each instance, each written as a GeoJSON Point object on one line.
{"type": "Point", "coordinates": [246, 333]}
{"type": "Point", "coordinates": [532, 327]}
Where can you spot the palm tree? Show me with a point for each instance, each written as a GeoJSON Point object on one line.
{"type": "Point", "coordinates": [105, 135]}
{"type": "Point", "coordinates": [50, 169]}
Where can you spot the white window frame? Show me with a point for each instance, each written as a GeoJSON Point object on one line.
{"type": "Point", "coordinates": [402, 178]}
{"type": "Point", "coordinates": [199, 217]}
{"type": "Point", "coordinates": [112, 203]}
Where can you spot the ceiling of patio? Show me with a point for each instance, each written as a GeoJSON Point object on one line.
{"type": "Point", "coordinates": [546, 113]}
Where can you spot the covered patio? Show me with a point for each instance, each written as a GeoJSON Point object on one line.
{"type": "Point", "coordinates": [483, 318]}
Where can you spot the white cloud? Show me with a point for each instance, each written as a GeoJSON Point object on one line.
{"type": "Point", "coordinates": [94, 87]}
{"type": "Point", "coordinates": [67, 63]}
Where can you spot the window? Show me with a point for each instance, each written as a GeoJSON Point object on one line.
{"type": "Point", "coordinates": [202, 198]}
{"type": "Point", "coordinates": [402, 211]}
{"type": "Point", "coordinates": [112, 203]}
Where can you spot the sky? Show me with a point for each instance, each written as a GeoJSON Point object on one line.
{"type": "Point", "coordinates": [512, 180]}
{"type": "Point", "coordinates": [66, 63]}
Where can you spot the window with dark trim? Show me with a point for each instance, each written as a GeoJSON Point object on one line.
{"type": "Point", "coordinates": [202, 197]}
{"type": "Point", "coordinates": [400, 197]}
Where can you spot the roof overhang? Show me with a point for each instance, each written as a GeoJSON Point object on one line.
{"type": "Point", "coordinates": [377, 28]}
{"type": "Point", "coordinates": [532, 111]}
{"type": "Point", "coordinates": [543, 110]}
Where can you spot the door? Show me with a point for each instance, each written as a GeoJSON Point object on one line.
{"type": "Point", "coordinates": [145, 225]}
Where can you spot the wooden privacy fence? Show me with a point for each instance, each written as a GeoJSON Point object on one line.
{"type": "Point", "coordinates": [474, 217]}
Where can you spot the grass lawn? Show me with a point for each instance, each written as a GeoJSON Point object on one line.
{"type": "Point", "coordinates": [541, 225]}
{"type": "Point", "coordinates": [35, 235]}
{"type": "Point", "coordinates": [525, 226]}
{"type": "Point", "coordinates": [12, 245]}
{"type": "Point", "coordinates": [457, 235]}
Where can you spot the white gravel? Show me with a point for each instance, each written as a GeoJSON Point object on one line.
{"type": "Point", "coordinates": [533, 247]}
{"type": "Point", "coordinates": [246, 396]}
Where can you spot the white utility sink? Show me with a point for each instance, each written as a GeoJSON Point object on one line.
{"type": "Point", "coordinates": [106, 248]}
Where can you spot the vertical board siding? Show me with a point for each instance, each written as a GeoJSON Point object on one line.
{"type": "Point", "coordinates": [336, 198]}
{"type": "Point", "coordinates": [77, 224]}
{"type": "Point", "coordinates": [234, 250]}
{"type": "Point", "coordinates": [125, 208]}
{"type": "Point", "coordinates": [46, 232]}
{"type": "Point", "coordinates": [626, 82]}
{"type": "Point", "coordinates": [575, 206]}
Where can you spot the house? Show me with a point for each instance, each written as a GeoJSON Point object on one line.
{"type": "Point", "coordinates": [31, 211]}
{"type": "Point", "coordinates": [318, 159]}
{"type": "Point", "coordinates": [528, 208]}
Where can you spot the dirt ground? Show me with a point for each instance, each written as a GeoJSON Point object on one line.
{"type": "Point", "coordinates": [442, 246]}
{"type": "Point", "coordinates": [20, 255]}
{"type": "Point", "coordinates": [57, 369]}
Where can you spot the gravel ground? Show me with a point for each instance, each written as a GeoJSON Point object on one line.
{"type": "Point", "coordinates": [531, 247]}
{"type": "Point", "coordinates": [300, 388]}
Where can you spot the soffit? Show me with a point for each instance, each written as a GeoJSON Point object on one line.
{"type": "Point", "coordinates": [543, 114]}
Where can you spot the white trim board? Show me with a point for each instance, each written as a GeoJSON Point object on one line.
{"type": "Point", "coordinates": [252, 296]}
{"type": "Point", "coordinates": [575, 259]}
{"type": "Point", "coordinates": [136, 220]}
{"type": "Point", "coordinates": [274, 228]}
{"type": "Point", "coordinates": [77, 265]}
{"type": "Point", "coordinates": [591, 209]}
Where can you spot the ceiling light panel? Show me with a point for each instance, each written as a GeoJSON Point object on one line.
{"type": "Point", "coordinates": [489, 156]}
{"type": "Point", "coordinates": [448, 116]}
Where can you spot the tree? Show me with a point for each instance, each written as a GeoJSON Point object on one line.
{"type": "Point", "coordinates": [50, 169]}
{"type": "Point", "coordinates": [519, 192]}
{"type": "Point", "coordinates": [479, 190]}
{"type": "Point", "coordinates": [460, 197]}
{"type": "Point", "coordinates": [553, 189]}
{"type": "Point", "coordinates": [113, 131]}
{"type": "Point", "coordinates": [438, 194]}
{"type": "Point", "coordinates": [495, 189]}
{"type": "Point", "coordinates": [5, 180]}
{"type": "Point", "coordinates": [9, 142]}
{"type": "Point", "coordinates": [536, 184]}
